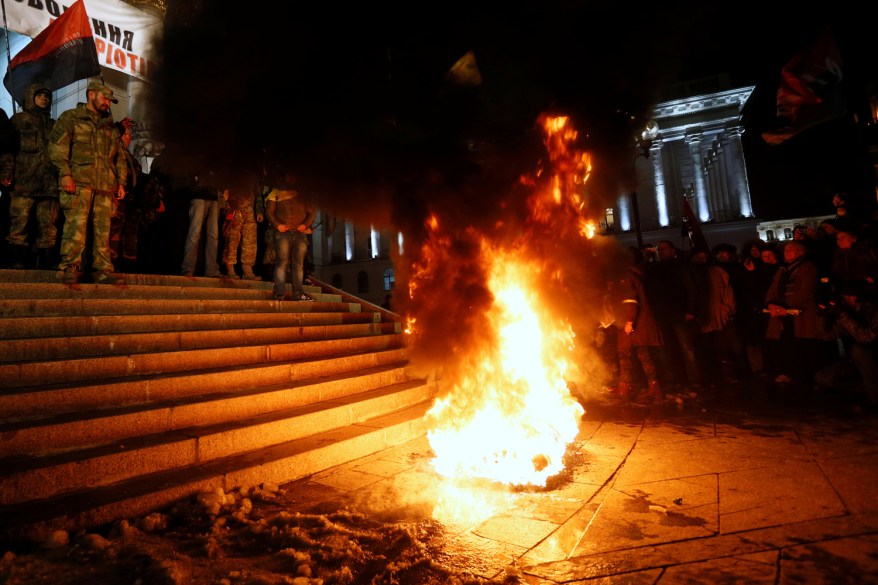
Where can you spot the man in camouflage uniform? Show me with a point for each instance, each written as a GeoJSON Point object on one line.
{"type": "Point", "coordinates": [85, 147]}
{"type": "Point", "coordinates": [34, 181]}
{"type": "Point", "coordinates": [245, 208]}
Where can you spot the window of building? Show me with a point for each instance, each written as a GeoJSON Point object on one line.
{"type": "Point", "coordinates": [336, 280]}
{"type": "Point", "coordinates": [787, 234]}
{"type": "Point", "coordinates": [362, 282]}
{"type": "Point", "coordinates": [374, 241]}
{"type": "Point", "coordinates": [389, 279]}
{"type": "Point", "coordinates": [611, 218]}
{"type": "Point", "coordinates": [348, 241]}
{"type": "Point", "coordinates": [769, 235]}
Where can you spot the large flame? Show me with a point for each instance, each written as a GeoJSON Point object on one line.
{"type": "Point", "coordinates": [510, 416]}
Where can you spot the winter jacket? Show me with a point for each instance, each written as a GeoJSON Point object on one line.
{"type": "Point", "coordinates": [715, 296]}
{"type": "Point", "coordinates": [86, 146]}
{"type": "Point", "coordinates": [33, 172]}
{"type": "Point", "coordinates": [634, 306]}
{"type": "Point", "coordinates": [795, 287]}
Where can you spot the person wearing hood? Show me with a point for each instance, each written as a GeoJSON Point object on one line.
{"type": "Point", "coordinates": [34, 182]}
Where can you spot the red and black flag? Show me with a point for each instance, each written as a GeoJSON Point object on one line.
{"type": "Point", "coordinates": [62, 53]}
{"type": "Point", "coordinates": [810, 90]}
{"type": "Point", "coordinates": [691, 228]}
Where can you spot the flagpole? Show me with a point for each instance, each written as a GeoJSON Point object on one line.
{"type": "Point", "coordinates": [8, 54]}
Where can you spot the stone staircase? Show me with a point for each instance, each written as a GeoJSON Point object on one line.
{"type": "Point", "coordinates": [117, 400]}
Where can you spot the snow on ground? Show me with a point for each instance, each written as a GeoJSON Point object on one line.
{"type": "Point", "coordinates": [264, 536]}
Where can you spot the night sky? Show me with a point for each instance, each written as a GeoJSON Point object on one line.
{"type": "Point", "coordinates": [356, 99]}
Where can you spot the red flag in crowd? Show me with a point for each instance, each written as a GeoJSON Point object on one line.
{"type": "Point", "coordinates": [810, 89]}
{"type": "Point", "coordinates": [692, 229]}
{"type": "Point", "coordinates": [61, 54]}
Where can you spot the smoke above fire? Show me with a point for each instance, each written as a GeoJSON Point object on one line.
{"type": "Point", "coordinates": [365, 106]}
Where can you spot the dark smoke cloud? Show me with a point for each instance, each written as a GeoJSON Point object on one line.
{"type": "Point", "coordinates": [357, 101]}
{"type": "Point", "coordinates": [356, 98]}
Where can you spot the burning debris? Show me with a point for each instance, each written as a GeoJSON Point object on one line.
{"type": "Point", "coordinates": [508, 414]}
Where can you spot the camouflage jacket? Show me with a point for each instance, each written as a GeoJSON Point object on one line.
{"type": "Point", "coordinates": [33, 173]}
{"type": "Point", "coordinates": [87, 147]}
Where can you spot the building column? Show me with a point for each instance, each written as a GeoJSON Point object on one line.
{"type": "Point", "coordinates": [694, 142]}
{"type": "Point", "coordinates": [661, 195]}
{"type": "Point", "coordinates": [624, 213]}
{"type": "Point", "coordinates": [738, 169]}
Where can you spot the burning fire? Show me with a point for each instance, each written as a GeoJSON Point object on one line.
{"type": "Point", "coordinates": [510, 416]}
{"type": "Point", "coordinates": [510, 419]}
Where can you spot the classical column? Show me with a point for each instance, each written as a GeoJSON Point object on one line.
{"type": "Point", "coordinates": [661, 196]}
{"type": "Point", "coordinates": [738, 170]}
{"type": "Point", "coordinates": [624, 213]}
{"type": "Point", "coordinates": [694, 142]}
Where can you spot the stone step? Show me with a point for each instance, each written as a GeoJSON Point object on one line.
{"type": "Point", "coordinates": [116, 400]}
{"type": "Point", "coordinates": [87, 306]}
{"type": "Point", "coordinates": [37, 373]}
{"type": "Point", "coordinates": [54, 290]}
{"type": "Point", "coordinates": [83, 346]}
{"type": "Point", "coordinates": [179, 443]}
{"type": "Point", "coordinates": [49, 401]}
{"type": "Point", "coordinates": [81, 429]}
{"type": "Point", "coordinates": [94, 506]}
{"type": "Point", "coordinates": [33, 328]}
{"type": "Point", "coordinates": [12, 276]}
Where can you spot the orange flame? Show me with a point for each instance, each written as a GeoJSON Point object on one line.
{"type": "Point", "coordinates": [511, 418]}
{"type": "Point", "coordinates": [508, 415]}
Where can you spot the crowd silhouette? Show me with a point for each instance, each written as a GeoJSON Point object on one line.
{"type": "Point", "coordinates": [800, 314]}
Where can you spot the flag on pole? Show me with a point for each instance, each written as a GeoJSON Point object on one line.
{"type": "Point", "coordinates": [810, 89]}
{"type": "Point", "coordinates": [61, 54]}
{"type": "Point", "coordinates": [465, 71]}
{"type": "Point", "coordinates": [692, 229]}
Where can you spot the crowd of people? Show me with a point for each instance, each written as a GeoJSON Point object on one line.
{"type": "Point", "coordinates": [80, 203]}
{"type": "Point", "coordinates": [800, 314]}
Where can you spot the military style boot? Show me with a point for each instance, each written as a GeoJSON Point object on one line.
{"type": "Point", "coordinates": [230, 270]}
{"type": "Point", "coordinates": [248, 274]}
{"type": "Point", "coordinates": [623, 390]}
{"type": "Point", "coordinates": [653, 394]}
{"type": "Point", "coordinates": [71, 275]}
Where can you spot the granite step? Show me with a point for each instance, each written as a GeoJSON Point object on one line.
{"type": "Point", "coordinates": [53, 400]}
{"type": "Point", "coordinates": [118, 399]}
{"type": "Point", "coordinates": [18, 328]}
{"type": "Point", "coordinates": [107, 367]}
{"type": "Point", "coordinates": [177, 442]}
{"type": "Point", "coordinates": [91, 507]}
{"type": "Point", "coordinates": [84, 346]}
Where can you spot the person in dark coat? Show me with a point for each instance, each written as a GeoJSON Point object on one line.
{"type": "Point", "coordinates": [792, 306]}
{"type": "Point", "coordinates": [638, 332]}
{"type": "Point", "coordinates": [672, 294]}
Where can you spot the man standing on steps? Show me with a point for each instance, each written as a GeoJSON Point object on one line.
{"type": "Point", "coordinates": [34, 182]}
{"type": "Point", "coordinates": [244, 210]}
{"type": "Point", "coordinates": [291, 216]}
{"type": "Point", "coordinates": [84, 145]}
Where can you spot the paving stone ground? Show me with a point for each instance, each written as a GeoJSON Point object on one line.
{"type": "Point", "coordinates": [741, 484]}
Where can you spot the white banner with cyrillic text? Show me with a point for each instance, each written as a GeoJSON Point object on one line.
{"type": "Point", "coordinates": [124, 36]}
